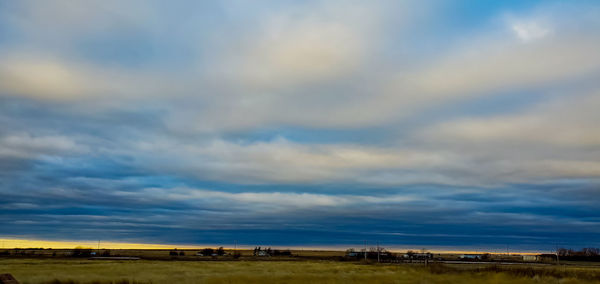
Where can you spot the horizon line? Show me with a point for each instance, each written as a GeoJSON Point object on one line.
{"type": "Point", "coordinates": [16, 243]}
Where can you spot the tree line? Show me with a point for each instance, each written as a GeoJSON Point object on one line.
{"type": "Point", "coordinates": [583, 254]}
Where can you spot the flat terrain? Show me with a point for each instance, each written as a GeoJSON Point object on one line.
{"type": "Point", "coordinates": [32, 271]}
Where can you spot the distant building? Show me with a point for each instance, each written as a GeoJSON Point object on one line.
{"type": "Point", "coordinates": [471, 256]}
{"type": "Point", "coordinates": [258, 251]}
{"type": "Point", "coordinates": [547, 257]}
{"type": "Point", "coordinates": [354, 253]}
{"type": "Point", "coordinates": [531, 258]}
{"type": "Point", "coordinates": [418, 256]}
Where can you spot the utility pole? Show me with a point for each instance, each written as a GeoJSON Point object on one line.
{"type": "Point", "coordinates": [377, 251]}
{"type": "Point", "coordinates": [557, 260]}
{"type": "Point", "coordinates": [365, 250]}
{"type": "Point", "coordinates": [235, 245]}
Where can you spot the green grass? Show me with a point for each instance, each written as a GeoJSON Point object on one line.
{"type": "Point", "coordinates": [58, 271]}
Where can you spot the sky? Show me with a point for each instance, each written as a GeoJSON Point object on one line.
{"type": "Point", "coordinates": [417, 124]}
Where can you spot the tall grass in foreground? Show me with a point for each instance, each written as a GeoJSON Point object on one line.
{"type": "Point", "coordinates": [70, 281]}
{"type": "Point", "coordinates": [523, 271]}
{"type": "Point", "coordinates": [60, 271]}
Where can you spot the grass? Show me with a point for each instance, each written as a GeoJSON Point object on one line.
{"type": "Point", "coordinates": [57, 271]}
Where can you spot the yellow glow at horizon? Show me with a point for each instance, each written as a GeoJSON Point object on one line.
{"type": "Point", "coordinates": [20, 243]}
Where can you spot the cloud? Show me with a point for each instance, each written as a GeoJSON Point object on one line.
{"type": "Point", "coordinates": [57, 25]}
{"type": "Point", "coordinates": [552, 140]}
{"type": "Point", "coordinates": [23, 145]}
{"type": "Point", "coordinates": [530, 31]}
{"type": "Point", "coordinates": [45, 77]}
{"type": "Point", "coordinates": [311, 66]}
{"type": "Point", "coordinates": [324, 121]}
{"type": "Point", "coordinates": [565, 121]}
{"type": "Point", "coordinates": [487, 68]}
{"type": "Point", "coordinates": [310, 44]}
{"type": "Point", "coordinates": [264, 202]}
{"type": "Point", "coordinates": [279, 161]}
{"type": "Point", "coordinates": [485, 64]}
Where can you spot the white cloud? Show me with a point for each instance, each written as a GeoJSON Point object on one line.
{"type": "Point", "coordinates": [279, 161]}
{"type": "Point", "coordinates": [265, 201]}
{"type": "Point", "coordinates": [311, 67]}
{"type": "Point", "coordinates": [487, 68]}
{"type": "Point", "coordinates": [42, 76]}
{"type": "Point", "coordinates": [24, 145]}
{"type": "Point", "coordinates": [317, 43]}
{"type": "Point", "coordinates": [529, 31]}
{"type": "Point", "coordinates": [567, 121]}
{"type": "Point", "coordinates": [553, 140]}
{"type": "Point", "coordinates": [308, 66]}
{"type": "Point", "coordinates": [486, 64]}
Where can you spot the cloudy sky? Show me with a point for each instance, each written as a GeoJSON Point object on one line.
{"type": "Point", "coordinates": [455, 124]}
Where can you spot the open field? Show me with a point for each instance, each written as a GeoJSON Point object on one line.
{"type": "Point", "coordinates": [34, 271]}
{"type": "Point", "coordinates": [183, 254]}
{"type": "Point", "coordinates": [244, 254]}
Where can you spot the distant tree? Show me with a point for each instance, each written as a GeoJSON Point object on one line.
{"type": "Point", "coordinates": [590, 251]}
{"type": "Point", "coordinates": [562, 252]}
{"type": "Point", "coordinates": [181, 253]}
{"type": "Point", "coordinates": [208, 251]}
{"type": "Point", "coordinates": [585, 254]}
{"type": "Point", "coordinates": [257, 250]}
{"type": "Point", "coordinates": [82, 252]}
{"type": "Point", "coordinates": [220, 251]}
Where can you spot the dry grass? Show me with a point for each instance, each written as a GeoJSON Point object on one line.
{"type": "Point", "coordinates": [189, 254]}
{"type": "Point", "coordinates": [58, 271]}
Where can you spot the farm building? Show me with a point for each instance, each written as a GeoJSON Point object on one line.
{"type": "Point", "coordinates": [354, 253]}
{"type": "Point", "coordinates": [540, 257]}
{"type": "Point", "coordinates": [471, 256]}
{"type": "Point", "coordinates": [418, 256]}
{"type": "Point", "coordinates": [531, 257]}
{"type": "Point", "coordinates": [547, 257]}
